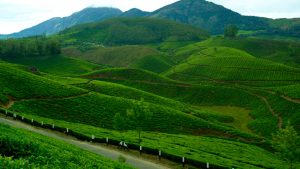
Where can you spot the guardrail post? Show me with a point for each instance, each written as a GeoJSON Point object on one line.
{"type": "Point", "coordinates": [141, 149]}
{"type": "Point", "coordinates": [207, 165]}
{"type": "Point", "coordinates": [106, 140]}
{"type": "Point", "coordinates": [32, 121]}
{"type": "Point", "coordinates": [53, 126]}
{"type": "Point", "coordinates": [159, 154]}
{"type": "Point", "coordinates": [93, 137]}
{"type": "Point", "coordinates": [67, 131]}
{"type": "Point", "coordinates": [22, 118]}
{"type": "Point", "coordinates": [42, 123]}
{"type": "Point", "coordinates": [183, 161]}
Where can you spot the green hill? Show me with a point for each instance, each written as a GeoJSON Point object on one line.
{"type": "Point", "coordinates": [133, 56]}
{"type": "Point", "coordinates": [249, 71]}
{"type": "Point", "coordinates": [132, 31]}
{"type": "Point", "coordinates": [278, 51]}
{"type": "Point", "coordinates": [36, 95]}
{"type": "Point", "coordinates": [59, 65]}
{"type": "Point", "coordinates": [23, 149]}
{"type": "Point", "coordinates": [137, 75]}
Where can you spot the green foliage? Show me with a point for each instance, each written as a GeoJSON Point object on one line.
{"type": "Point", "coordinates": [119, 122]}
{"type": "Point", "coordinates": [23, 149]}
{"type": "Point", "coordinates": [231, 31]}
{"type": "Point", "coordinates": [139, 113]}
{"type": "Point", "coordinates": [290, 90]}
{"type": "Point", "coordinates": [30, 47]}
{"type": "Point", "coordinates": [287, 143]}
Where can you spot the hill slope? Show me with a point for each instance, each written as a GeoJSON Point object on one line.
{"type": "Point", "coordinates": [24, 149]}
{"type": "Point", "coordinates": [132, 31]}
{"type": "Point", "coordinates": [208, 15]}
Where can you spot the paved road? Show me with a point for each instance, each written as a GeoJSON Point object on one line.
{"type": "Point", "coordinates": [101, 150]}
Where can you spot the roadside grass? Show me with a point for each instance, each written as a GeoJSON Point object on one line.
{"type": "Point", "coordinates": [24, 149]}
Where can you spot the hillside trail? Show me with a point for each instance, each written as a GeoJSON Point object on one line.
{"type": "Point", "coordinates": [131, 159]}
{"type": "Point", "coordinates": [12, 101]}
{"type": "Point", "coordinates": [291, 99]}
{"type": "Point", "coordinates": [277, 115]}
{"type": "Point", "coordinates": [139, 81]}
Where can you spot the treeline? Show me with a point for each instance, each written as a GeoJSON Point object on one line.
{"type": "Point", "coordinates": [29, 47]}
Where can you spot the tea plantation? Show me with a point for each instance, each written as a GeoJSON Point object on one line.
{"type": "Point", "coordinates": [208, 99]}
{"type": "Point", "coordinates": [24, 149]}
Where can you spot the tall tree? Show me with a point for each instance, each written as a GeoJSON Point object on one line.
{"type": "Point", "coordinates": [231, 31]}
{"type": "Point", "coordinates": [287, 143]}
{"type": "Point", "coordinates": [139, 113]}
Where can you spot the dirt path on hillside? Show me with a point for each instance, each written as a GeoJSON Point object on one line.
{"type": "Point", "coordinates": [291, 99]}
{"type": "Point", "coordinates": [12, 101]}
{"type": "Point", "coordinates": [133, 160]}
{"type": "Point", "coordinates": [277, 115]}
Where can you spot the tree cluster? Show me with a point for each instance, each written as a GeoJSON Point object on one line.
{"type": "Point", "coordinates": [231, 31]}
{"type": "Point", "coordinates": [29, 47]}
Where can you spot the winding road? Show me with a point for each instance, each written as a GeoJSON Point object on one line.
{"type": "Point", "coordinates": [133, 160]}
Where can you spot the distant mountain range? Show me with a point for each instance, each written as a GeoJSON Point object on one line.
{"type": "Point", "coordinates": [56, 25]}
{"type": "Point", "coordinates": [200, 13]}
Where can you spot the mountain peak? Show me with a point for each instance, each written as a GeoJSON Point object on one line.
{"type": "Point", "coordinates": [207, 15]}
{"type": "Point", "coordinates": [135, 12]}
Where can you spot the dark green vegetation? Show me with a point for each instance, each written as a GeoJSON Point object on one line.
{"type": "Point", "coordinates": [132, 31]}
{"type": "Point", "coordinates": [231, 31]}
{"type": "Point", "coordinates": [287, 142]}
{"type": "Point", "coordinates": [35, 47]}
{"type": "Point", "coordinates": [22, 149]}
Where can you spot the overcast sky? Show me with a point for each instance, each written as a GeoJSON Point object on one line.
{"type": "Point", "coordinates": [16, 15]}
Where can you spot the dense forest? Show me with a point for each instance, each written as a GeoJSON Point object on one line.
{"type": "Point", "coordinates": [29, 47]}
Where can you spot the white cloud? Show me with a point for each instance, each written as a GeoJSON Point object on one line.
{"type": "Point", "coordinates": [265, 8]}
{"type": "Point", "coordinates": [16, 15]}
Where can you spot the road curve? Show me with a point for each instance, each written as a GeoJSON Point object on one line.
{"type": "Point", "coordinates": [95, 148]}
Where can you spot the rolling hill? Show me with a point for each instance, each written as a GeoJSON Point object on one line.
{"type": "Point", "coordinates": [132, 31]}
{"type": "Point", "coordinates": [130, 56]}
{"type": "Point", "coordinates": [36, 95]}
{"type": "Point", "coordinates": [231, 65]}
